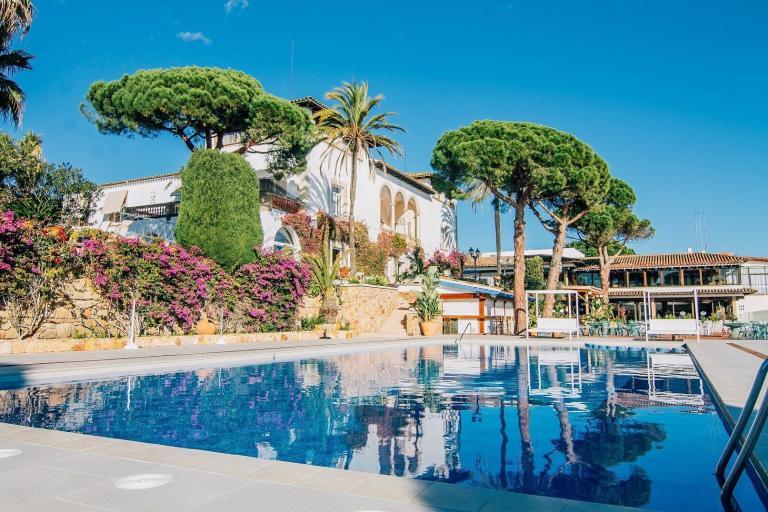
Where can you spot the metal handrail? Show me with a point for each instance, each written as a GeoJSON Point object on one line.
{"type": "Point", "coordinates": [459, 338]}
{"type": "Point", "coordinates": [728, 484]}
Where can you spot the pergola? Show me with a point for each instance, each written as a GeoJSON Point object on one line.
{"type": "Point", "coordinates": [672, 326]}
{"type": "Point", "coordinates": [548, 324]}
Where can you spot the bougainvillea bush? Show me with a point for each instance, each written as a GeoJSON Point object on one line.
{"type": "Point", "coordinates": [35, 262]}
{"type": "Point", "coordinates": [167, 283]}
{"type": "Point", "coordinates": [169, 287]}
{"type": "Point", "coordinates": [272, 289]}
{"type": "Point", "coordinates": [172, 286]}
{"type": "Point", "coordinates": [452, 262]}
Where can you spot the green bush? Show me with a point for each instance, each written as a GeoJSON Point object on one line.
{"type": "Point", "coordinates": [220, 208]}
{"type": "Point", "coordinates": [377, 280]}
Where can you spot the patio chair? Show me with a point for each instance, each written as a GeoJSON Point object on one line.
{"type": "Point", "coordinates": [633, 329]}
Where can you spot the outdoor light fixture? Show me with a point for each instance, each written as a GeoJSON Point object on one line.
{"type": "Point", "coordinates": [474, 254]}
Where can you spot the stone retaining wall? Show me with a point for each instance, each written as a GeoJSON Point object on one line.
{"type": "Point", "coordinates": [82, 313]}
{"type": "Point", "coordinates": [365, 306]}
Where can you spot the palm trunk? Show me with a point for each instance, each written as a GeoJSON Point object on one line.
{"type": "Point", "coordinates": [555, 268]}
{"type": "Point", "coordinates": [519, 300]}
{"type": "Point", "coordinates": [497, 222]}
{"type": "Point", "coordinates": [351, 218]}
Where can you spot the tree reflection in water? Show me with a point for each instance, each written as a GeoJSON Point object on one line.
{"type": "Point", "coordinates": [444, 413]}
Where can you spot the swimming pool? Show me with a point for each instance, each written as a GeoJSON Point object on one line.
{"type": "Point", "coordinates": [626, 427]}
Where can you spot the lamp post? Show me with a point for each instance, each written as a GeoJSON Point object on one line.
{"type": "Point", "coordinates": [474, 254]}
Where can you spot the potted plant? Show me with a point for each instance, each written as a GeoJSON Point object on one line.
{"type": "Point", "coordinates": [428, 304]}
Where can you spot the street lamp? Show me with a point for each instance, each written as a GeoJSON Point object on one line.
{"type": "Point", "coordinates": [474, 254]}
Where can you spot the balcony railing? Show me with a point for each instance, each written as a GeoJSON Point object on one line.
{"type": "Point", "coordinates": [277, 197]}
{"type": "Point", "coordinates": [409, 240]}
{"type": "Point", "coordinates": [151, 211]}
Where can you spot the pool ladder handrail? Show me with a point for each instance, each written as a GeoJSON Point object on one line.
{"type": "Point", "coordinates": [463, 332]}
{"type": "Point", "coordinates": [728, 484]}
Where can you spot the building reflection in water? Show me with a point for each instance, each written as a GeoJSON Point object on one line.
{"type": "Point", "coordinates": [536, 420]}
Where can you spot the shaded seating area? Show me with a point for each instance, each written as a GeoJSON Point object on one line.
{"type": "Point", "coordinates": [751, 330]}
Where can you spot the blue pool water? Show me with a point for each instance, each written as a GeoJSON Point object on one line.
{"type": "Point", "coordinates": [614, 426]}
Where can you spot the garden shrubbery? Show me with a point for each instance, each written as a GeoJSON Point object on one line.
{"type": "Point", "coordinates": [169, 286]}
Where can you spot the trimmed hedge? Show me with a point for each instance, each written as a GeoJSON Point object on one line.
{"type": "Point", "coordinates": [219, 211]}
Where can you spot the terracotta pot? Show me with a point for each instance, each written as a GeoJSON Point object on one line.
{"type": "Point", "coordinates": [431, 328]}
{"type": "Point", "coordinates": [204, 326]}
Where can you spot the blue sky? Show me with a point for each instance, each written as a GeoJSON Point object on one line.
{"type": "Point", "coordinates": [671, 94]}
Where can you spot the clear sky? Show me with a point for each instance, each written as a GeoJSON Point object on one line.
{"type": "Point", "coordinates": [671, 94]}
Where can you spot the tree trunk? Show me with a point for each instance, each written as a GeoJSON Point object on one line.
{"type": "Point", "coordinates": [555, 269]}
{"type": "Point", "coordinates": [524, 419]}
{"type": "Point", "coordinates": [519, 301]}
{"type": "Point", "coordinates": [497, 222]}
{"type": "Point", "coordinates": [351, 217]}
{"type": "Point", "coordinates": [605, 271]}
{"type": "Point", "coordinates": [566, 430]}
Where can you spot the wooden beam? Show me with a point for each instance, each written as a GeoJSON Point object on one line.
{"type": "Point", "coordinates": [458, 296]}
{"type": "Point", "coordinates": [481, 317]}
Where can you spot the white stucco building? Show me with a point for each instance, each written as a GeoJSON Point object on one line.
{"type": "Point", "coordinates": [387, 199]}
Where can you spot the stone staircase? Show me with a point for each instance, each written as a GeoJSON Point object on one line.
{"type": "Point", "coordinates": [395, 324]}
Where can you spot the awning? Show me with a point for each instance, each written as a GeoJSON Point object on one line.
{"type": "Point", "coordinates": [114, 202]}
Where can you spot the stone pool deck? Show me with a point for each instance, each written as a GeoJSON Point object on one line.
{"type": "Point", "coordinates": [61, 471]}
{"type": "Point", "coordinates": [67, 472]}
{"type": "Point", "coordinates": [730, 368]}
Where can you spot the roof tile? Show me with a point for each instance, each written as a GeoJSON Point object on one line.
{"type": "Point", "coordinates": [674, 260]}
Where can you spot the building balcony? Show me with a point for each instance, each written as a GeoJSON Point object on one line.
{"type": "Point", "coordinates": [151, 211]}
{"type": "Point", "coordinates": [275, 196]}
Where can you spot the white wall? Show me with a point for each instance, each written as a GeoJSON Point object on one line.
{"type": "Point", "coordinates": [436, 221]}
{"type": "Point", "coordinates": [753, 307]}
{"type": "Point", "coordinates": [436, 225]}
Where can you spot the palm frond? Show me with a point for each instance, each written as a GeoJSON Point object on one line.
{"type": "Point", "coordinates": [16, 15]}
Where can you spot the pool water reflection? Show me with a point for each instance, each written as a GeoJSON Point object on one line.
{"type": "Point", "coordinates": [613, 426]}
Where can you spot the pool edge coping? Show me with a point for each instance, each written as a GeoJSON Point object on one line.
{"type": "Point", "coordinates": [10, 431]}
{"type": "Point", "coordinates": [758, 477]}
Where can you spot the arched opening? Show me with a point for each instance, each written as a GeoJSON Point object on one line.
{"type": "Point", "coordinates": [399, 211]}
{"type": "Point", "coordinates": [385, 207]}
{"type": "Point", "coordinates": [412, 224]}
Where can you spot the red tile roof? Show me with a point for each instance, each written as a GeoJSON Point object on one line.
{"type": "Point", "coordinates": [684, 291]}
{"type": "Point", "coordinates": [676, 260]}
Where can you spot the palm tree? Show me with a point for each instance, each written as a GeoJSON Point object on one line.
{"type": "Point", "coordinates": [16, 15]}
{"type": "Point", "coordinates": [11, 95]}
{"type": "Point", "coordinates": [352, 125]}
{"type": "Point", "coordinates": [478, 192]}
{"type": "Point", "coordinates": [325, 271]}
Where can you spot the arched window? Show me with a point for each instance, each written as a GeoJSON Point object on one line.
{"type": "Point", "coordinates": [284, 240]}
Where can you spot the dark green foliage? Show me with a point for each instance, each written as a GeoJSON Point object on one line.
{"type": "Point", "coordinates": [534, 273]}
{"type": "Point", "coordinates": [220, 208]}
{"type": "Point", "coordinates": [610, 226]}
{"type": "Point", "coordinates": [588, 250]}
{"type": "Point", "coordinates": [200, 105]}
{"type": "Point", "coordinates": [36, 189]}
